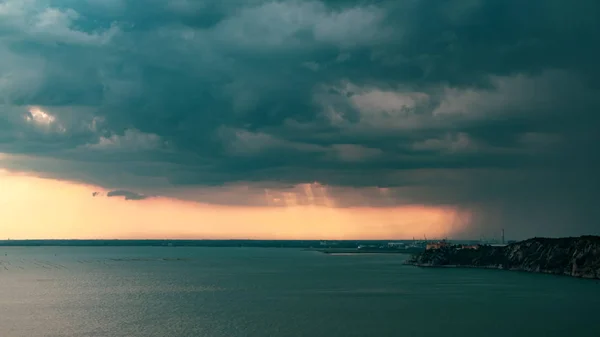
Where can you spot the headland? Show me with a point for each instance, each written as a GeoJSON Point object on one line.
{"type": "Point", "coordinates": [572, 256]}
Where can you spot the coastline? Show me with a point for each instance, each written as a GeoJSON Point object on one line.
{"type": "Point", "coordinates": [354, 251]}
{"type": "Point", "coordinates": [576, 257]}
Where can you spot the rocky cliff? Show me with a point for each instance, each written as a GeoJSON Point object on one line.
{"type": "Point", "coordinates": [578, 257]}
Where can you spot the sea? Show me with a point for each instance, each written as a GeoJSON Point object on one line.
{"type": "Point", "coordinates": [257, 292]}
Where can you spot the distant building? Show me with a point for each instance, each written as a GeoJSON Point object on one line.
{"type": "Point", "coordinates": [469, 247]}
{"type": "Point", "coordinates": [436, 245]}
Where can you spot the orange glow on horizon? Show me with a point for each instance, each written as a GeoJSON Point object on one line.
{"type": "Point", "coordinates": [36, 208]}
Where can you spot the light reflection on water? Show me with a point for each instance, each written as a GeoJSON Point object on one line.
{"type": "Point", "coordinates": [210, 292]}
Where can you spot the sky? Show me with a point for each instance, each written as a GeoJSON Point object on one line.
{"type": "Point", "coordinates": [299, 119]}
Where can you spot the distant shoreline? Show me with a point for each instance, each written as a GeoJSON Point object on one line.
{"type": "Point", "coordinates": [305, 244]}
{"type": "Point", "coordinates": [337, 251]}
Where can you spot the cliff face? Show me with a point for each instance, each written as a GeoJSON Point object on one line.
{"type": "Point", "coordinates": [579, 257]}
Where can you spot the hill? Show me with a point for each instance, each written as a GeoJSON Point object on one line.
{"type": "Point", "coordinates": [573, 256]}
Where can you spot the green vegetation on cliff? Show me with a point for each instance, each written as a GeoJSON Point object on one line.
{"type": "Point", "coordinates": [577, 256]}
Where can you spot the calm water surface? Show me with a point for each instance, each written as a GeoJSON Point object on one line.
{"type": "Point", "coordinates": [230, 292]}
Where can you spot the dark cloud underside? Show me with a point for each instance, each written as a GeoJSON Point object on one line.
{"type": "Point", "coordinates": [487, 105]}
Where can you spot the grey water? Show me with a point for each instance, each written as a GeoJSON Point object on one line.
{"type": "Point", "coordinates": [253, 292]}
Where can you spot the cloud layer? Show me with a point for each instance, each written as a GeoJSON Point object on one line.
{"type": "Point", "coordinates": [484, 105]}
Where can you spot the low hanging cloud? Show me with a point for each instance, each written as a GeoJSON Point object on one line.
{"type": "Point", "coordinates": [128, 195]}
{"type": "Point", "coordinates": [487, 106]}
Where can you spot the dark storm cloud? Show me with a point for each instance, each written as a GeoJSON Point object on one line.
{"type": "Point", "coordinates": [488, 105]}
